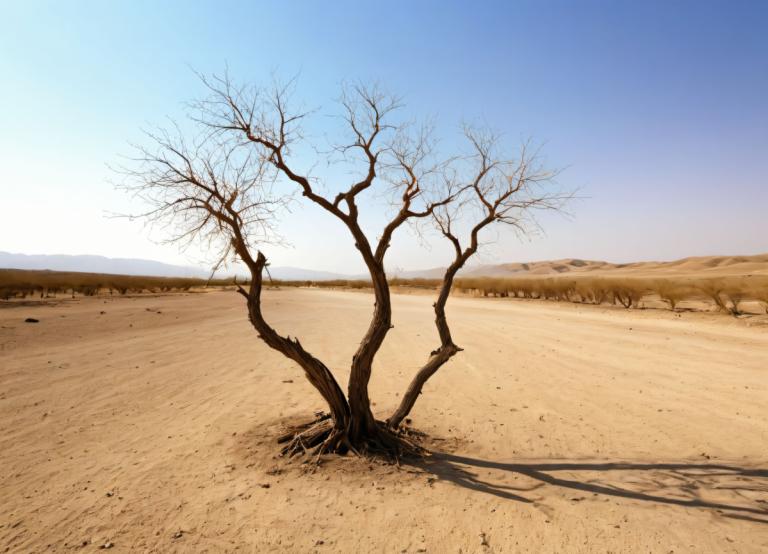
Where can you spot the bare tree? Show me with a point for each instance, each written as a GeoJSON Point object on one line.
{"type": "Point", "coordinates": [229, 185]}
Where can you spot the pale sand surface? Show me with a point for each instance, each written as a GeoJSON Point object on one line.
{"type": "Point", "coordinates": [159, 416]}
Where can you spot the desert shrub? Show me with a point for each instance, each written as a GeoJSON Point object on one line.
{"type": "Point", "coordinates": [721, 293]}
{"type": "Point", "coordinates": [759, 291]}
{"type": "Point", "coordinates": [418, 283]}
{"type": "Point", "coordinates": [16, 283]}
{"type": "Point", "coordinates": [585, 292]}
{"type": "Point", "coordinates": [591, 289]}
{"type": "Point", "coordinates": [734, 297]}
{"type": "Point", "coordinates": [6, 293]}
{"type": "Point", "coordinates": [713, 290]}
{"type": "Point", "coordinates": [627, 292]}
{"type": "Point", "coordinates": [672, 292]}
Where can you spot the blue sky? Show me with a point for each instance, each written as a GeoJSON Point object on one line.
{"type": "Point", "coordinates": [657, 110]}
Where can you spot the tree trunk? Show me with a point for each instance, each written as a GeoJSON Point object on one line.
{"type": "Point", "coordinates": [316, 372]}
{"type": "Point", "coordinates": [437, 358]}
{"type": "Point", "coordinates": [362, 422]}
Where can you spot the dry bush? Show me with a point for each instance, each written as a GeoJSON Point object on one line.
{"type": "Point", "coordinates": [713, 290]}
{"type": "Point", "coordinates": [593, 290]}
{"type": "Point", "coordinates": [759, 291]}
{"type": "Point", "coordinates": [627, 292]}
{"type": "Point", "coordinates": [19, 283]}
{"type": "Point", "coordinates": [419, 283]}
{"type": "Point", "coordinates": [672, 292]}
{"type": "Point", "coordinates": [726, 294]}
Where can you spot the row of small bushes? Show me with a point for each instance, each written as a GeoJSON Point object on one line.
{"type": "Point", "coordinates": [429, 284]}
{"type": "Point", "coordinates": [330, 284]}
{"type": "Point", "coordinates": [727, 294]}
{"type": "Point", "coordinates": [20, 283]}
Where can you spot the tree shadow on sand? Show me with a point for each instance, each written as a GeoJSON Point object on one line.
{"type": "Point", "coordinates": [731, 491]}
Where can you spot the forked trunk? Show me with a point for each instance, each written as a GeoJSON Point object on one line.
{"type": "Point", "coordinates": [350, 425]}
{"type": "Point", "coordinates": [362, 422]}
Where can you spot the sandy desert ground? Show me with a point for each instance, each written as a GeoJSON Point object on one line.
{"type": "Point", "coordinates": [147, 424]}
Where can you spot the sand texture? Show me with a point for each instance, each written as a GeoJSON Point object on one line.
{"type": "Point", "coordinates": [147, 424]}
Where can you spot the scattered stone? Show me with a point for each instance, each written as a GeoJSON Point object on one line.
{"type": "Point", "coordinates": [31, 320]}
{"type": "Point", "coordinates": [107, 545]}
{"type": "Point", "coordinates": [264, 485]}
{"type": "Point", "coordinates": [483, 540]}
{"type": "Point", "coordinates": [178, 534]}
{"type": "Point", "coordinates": [110, 494]}
{"type": "Point", "coordinates": [102, 312]}
{"type": "Point", "coordinates": [288, 381]}
{"type": "Point", "coordinates": [319, 542]}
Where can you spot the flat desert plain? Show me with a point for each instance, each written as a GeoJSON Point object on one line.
{"type": "Point", "coordinates": [148, 424]}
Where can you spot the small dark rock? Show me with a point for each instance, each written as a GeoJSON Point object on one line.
{"type": "Point", "coordinates": [264, 485]}
{"type": "Point", "coordinates": [31, 320]}
{"type": "Point", "coordinates": [107, 545]}
{"type": "Point", "coordinates": [178, 534]}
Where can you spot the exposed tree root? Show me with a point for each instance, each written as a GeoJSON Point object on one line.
{"type": "Point", "coordinates": [321, 436]}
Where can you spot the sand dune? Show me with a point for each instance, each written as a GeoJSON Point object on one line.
{"type": "Point", "coordinates": [700, 266]}
{"type": "Point", "coordinates": [147, 424]}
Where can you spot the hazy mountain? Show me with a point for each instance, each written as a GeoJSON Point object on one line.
{"type": "Point", "coordinates": [134, 266]}
{"type": "Point", "coordinates": [299, 274]}
{"type": "Point", "coordinates": [98, 264]}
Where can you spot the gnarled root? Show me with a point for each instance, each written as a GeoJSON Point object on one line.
{"type": "Point", "coordinates": [321, 436]}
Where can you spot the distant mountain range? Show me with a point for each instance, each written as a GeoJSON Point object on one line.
{"type": "Point", "coordinates": [721, 265]}
{"type": "Point", "coordinates": [134, 266]}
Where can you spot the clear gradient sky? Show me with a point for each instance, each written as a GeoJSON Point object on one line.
{"type": "Point", "coordinates": [658, 110]}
